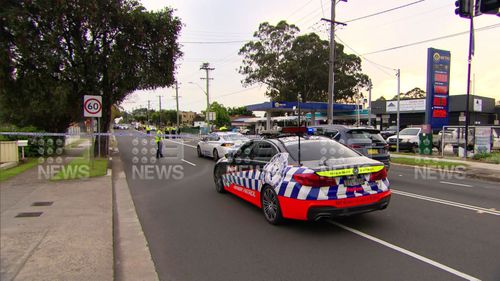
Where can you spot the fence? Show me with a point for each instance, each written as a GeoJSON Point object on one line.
{"type": "Point", "coordinates": [8, 151]}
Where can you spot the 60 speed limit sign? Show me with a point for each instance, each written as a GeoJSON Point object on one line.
{"type": "Point", "coordinates": [92, 106]}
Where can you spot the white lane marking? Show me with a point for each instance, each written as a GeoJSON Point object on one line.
{"type": "Point", "coordinates": [190, 163]}
{"type": "Point", "coordinates": [193, 146]}
{"type": "Point", "coordinates": [454, 183]}
{"type": "Point", "coordinates": [446, 202]}
{"type": "Point", "coordinates": [406, 252]}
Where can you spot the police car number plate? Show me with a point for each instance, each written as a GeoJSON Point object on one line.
{"type": "Point", "coordinates": [353, 181]}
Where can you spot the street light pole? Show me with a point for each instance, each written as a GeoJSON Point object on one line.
{"type": "Point", "coordinates": [370, 104]}
{"type": "Point", "coordinates": [206, 66]}
{"type": "Point", "coordinates": [177, 103]}
{"type": "Point", "coordinates": [159, 113]}
{"type": "Point", "coordinates": [398, 74]}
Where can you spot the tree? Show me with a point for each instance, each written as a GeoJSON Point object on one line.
{"type": "Point", "coordinates": [290, 64]}
{"type": "Point", "coordinates": [415, 93]}
{"type": "Point", "coordinates": [382, 98]}
{"type": "Point", "coordinates": [242, 110]}
{"type": "Point", "coordinates": [54, 52]}
{"type": "Point", "coordinates": [221, 114]}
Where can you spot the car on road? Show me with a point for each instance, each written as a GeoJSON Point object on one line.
{"type": "Point", "coordinates": [218, 144]}
{"type": "Point", "coordinates": [409, 139]}
{"type": "Point", "coordinates": [324, 179]}
{"type": "Point", "coordinates": [366, 141]}
{"type": "Point", "coordinates": [390, 131]}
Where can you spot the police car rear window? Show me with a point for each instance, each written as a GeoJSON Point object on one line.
{"type": "Point", "coordinates": [322, 149]}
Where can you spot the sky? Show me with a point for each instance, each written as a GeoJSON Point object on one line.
{"type": "Point", "coordinates": [218, 21]}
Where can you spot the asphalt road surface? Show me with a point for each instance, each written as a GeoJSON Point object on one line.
{"type": "Point", "coordinates": [437, 227]}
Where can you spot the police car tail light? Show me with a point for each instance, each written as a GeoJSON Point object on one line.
{"type": "Point", "coordinates": [355, 146]}
{"type": "Point", "coordinates": [227, 144]}
{"type": "Point", "coordinates": [380, 175]}
{"type": "Point", "coordinates": [314, 180]}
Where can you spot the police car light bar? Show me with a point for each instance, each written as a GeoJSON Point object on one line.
{"type": "Point", "coordinates": [294, 130]}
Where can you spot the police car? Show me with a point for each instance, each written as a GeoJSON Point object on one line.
{"type": "Point", "coordinates": [326, 179]}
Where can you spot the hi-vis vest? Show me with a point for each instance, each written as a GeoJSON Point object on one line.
{"type": "Point", "coordinates": [158, 136]}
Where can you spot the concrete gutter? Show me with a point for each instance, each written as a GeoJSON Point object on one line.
{"type": "Point", "coordinates": [133, 259]}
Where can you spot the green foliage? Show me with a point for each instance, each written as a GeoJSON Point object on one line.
{"type": "Point", "coordinates": [221, 114]}
{"type": "Point", "coordinates": [54, 52]}
{"type": "Point", "coordinates": [415, 93]}
{"type": "Point", "coordinates": [242, 110]}
{"type": "Point", "coordinates": [290, 64]}
{"type": "Point", "coordinates": [492, 157]}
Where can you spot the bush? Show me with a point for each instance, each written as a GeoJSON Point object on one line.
{"type": "Point", "coordinates": [37, 145]}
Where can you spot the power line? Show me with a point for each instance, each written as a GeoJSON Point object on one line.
{"type": "Point", "coordinates": [298, 9]}
{"type": "Point", "coordinates": [433, 39]}
{"type": "Point", "coordinates": [214, 42]}
{"type": "Point", "coordinates": [377, 65]}
{"type": "Point", "coordinates": [385, 11]}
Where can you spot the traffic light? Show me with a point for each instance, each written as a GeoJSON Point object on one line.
{"type": "Point", "coordinates": [463, 8]}
{"type": "Point", "coordinates": [491, 7]}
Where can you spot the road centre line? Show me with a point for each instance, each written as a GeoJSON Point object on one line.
{"type": "Point", "coordinates": [190, 163]}
{"type": "Point", "coordinates": [458, 184]}
{"type": "Point", "coordinates": [446, 202]}
{"type": "Point", "coordinates": [193, 146]}
{"type": "Point", "coordinates": [406, 252]}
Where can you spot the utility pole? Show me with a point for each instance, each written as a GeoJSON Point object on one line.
{"type": "Point", "coordinates": [159, 113]}
{"type": "Point", "coordinates": [370, 104]}
{"type": "Point", "coordinates": [398, 74]}
{"type": "Point", "coordinates": [331, 69]}
{"type": "Point", "coordinates": [147, 112]}
{"type": "Point", "coordinates": [206, 66]}
{"type": "Point", "coordinates": [177, 103]}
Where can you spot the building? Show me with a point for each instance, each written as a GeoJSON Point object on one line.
{"type": "Point", "coordinates": [187, 118]}
{"type": "Point", "coordinates": [412, 112]}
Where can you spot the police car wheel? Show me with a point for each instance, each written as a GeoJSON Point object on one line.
{"type": "Point", "coordinates": [216, 155]}
{"type": "Point", "coordinates": [198, 149]}
{"type": "Point", "coordinates": [219, 185]}
{"type": "Point", "coordinates": [271, 206]}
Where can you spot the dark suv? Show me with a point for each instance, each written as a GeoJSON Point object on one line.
{"type": "Point", "coordinates": [366, 141]}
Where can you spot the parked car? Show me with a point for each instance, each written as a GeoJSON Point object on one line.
{"type": "Point", "coordinates": [409, 140]}
{"type": "Point", "coordinates": [269, 174]}
{"type": "Point", "coordinates": [218, 144]}
{"type": "Point", "coordinates": [495, 135]}
{"type": "Point", "coordinates": [391, 131]}
{"type": "Point", "coordinates": [366, 141]}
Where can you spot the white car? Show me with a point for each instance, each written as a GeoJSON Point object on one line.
{"type": "Point", "coordinates": [408, 139]}
{"type": "Point", "coordinates": [217, 145]}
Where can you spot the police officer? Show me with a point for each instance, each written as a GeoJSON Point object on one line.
{"type": "Point", "coordinates": [158, 141]}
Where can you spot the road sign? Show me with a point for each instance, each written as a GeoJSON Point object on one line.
{"type": "Point", "coordinates": [211, 116]}
{"type": "Point", "coordinates": [92, 106]}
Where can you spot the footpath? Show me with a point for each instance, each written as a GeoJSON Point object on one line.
{"type": "Point", "coordinates": [80, 229]}
{"type": "Point", "coordinates": [475, 169]}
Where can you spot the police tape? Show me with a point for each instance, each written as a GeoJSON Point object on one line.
{"type": "Point", "coordinates": [116, 134]}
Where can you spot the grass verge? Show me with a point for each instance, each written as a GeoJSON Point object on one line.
{"type": "Point", "coordinates": [82, 168]}
{"type": "Point", "coordinates": [9, 173]}
{"type": "Point", "coordinates": [426, 162]}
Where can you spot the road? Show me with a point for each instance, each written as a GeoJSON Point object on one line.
{"type": "Point", "coordinates": [434, 228]}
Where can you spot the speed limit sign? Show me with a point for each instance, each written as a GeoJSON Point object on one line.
{"type": "Point", "coordinates": [92, 106]}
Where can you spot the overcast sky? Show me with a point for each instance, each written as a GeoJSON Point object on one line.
{"type": "Point", "coordinates": [236, 21]}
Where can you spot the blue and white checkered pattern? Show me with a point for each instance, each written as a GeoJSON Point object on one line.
{"type": "Point", "coordinates": [253, 179]}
